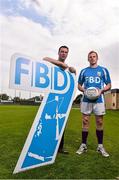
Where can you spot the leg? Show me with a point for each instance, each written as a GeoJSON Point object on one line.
{"type": "Point", "coordinates": [61, 146]}
{"type": "Point", "coordinates": [99, 133]}
{"type": "Point", "coordinates": [99, 128]}
{"type": "Point", "coordinates": [61, 143]}
{"type": "Point", "coordinates": [86, 109]}
{"type": "Point", "coordinates": [99, 111]}
{"type": "Point", "coordinates": [85, 127]}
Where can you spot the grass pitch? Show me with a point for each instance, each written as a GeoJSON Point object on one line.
{"type": "Point", "coordinates": [15, 123]}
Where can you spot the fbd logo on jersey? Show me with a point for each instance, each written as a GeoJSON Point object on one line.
{"type": "Point", "coordinates": [42, 143]}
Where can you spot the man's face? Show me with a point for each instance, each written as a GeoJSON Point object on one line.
{"type": "Point", "coordinates": [63, 53]}
{"type": "Point", "coordinates": [92, 58]}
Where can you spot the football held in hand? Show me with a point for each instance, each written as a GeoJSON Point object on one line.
{"type": "Point", "coordinates": [92, 93]}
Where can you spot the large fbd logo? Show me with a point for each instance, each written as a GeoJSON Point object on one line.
{"type": "Point", "coordinates": [46, 132]}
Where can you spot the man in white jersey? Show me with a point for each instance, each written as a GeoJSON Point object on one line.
{"type": "Point", "coordinates": [93, 76]}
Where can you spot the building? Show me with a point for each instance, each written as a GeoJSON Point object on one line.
{"type": "Point", "coordinates": [112, 99]}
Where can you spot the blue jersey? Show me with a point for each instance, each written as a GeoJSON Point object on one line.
{"type": "Point", "coordinates": [94, 77]}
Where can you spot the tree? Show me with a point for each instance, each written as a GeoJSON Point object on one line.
{"type": "Point", "coordinates": [4, 97]}
{"type": "Point", "coordinates": [16, 99]}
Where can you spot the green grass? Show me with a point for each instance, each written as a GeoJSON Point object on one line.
{"type": "Point", "coordinates": [15, 123]}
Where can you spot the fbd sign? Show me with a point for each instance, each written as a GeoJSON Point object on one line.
{"type": "Point", "coordinates": [42, 143]}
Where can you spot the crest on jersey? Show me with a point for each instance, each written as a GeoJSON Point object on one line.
{"type": "Point", "coordinates": [99, 74]}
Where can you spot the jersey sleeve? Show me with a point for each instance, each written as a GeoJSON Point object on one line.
{"type": "Point", "coordinates": [81, 77]}
{"type": "Point", "coordinates": [106, 76]}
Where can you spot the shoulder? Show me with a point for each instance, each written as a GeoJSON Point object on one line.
{"type": "Point", "coordinates": [103, 68]}
{"type": "Point", "coordinates": [104, 71]}
{"type": "Point", "coordinates": [84, 69]}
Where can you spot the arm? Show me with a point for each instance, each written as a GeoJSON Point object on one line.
{"type": "Point", "coordinates": [106, 88]}
{"type": "Point", "coordinates": [81, 88]}
{"type": "Point", "coordinates": [81, 81]}
{"type": "Point", "coordinates": [107, 81]}
{"type": "Point", "coordinates": [56, 62]}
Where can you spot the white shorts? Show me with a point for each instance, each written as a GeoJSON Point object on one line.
{"type": "Point", "coordinates": [96, 108]}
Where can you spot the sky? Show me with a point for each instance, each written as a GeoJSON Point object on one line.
{"type": "Point", "coordinates": [37, 28]}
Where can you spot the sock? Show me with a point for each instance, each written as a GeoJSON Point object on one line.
{"type": "Point", "coordinates": [99, 134]}
{"type": "Point", "coordinates": [84, 136]}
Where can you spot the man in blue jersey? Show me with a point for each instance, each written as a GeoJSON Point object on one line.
{"type": "Point", "coordinates": [93, 76]}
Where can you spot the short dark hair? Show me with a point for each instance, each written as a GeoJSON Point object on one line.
{"type": "Point", "coordinates": [63, 47]}
{"type": "Point", "coordinates": [93, 52]}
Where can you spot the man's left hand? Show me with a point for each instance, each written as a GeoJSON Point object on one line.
{"type": "Point", "coordinates": [72, 70]}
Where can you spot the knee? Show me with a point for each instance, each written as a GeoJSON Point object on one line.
{"type": "Point", "coordinates": [85, 123]}
{"type": "Point", "coordinates": [99, 124]}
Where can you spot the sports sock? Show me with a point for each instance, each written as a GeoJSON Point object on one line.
{"type": "Point", "coordinates": [84, 136]}
{"type": "Point", "coordinates": [99, 134]}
